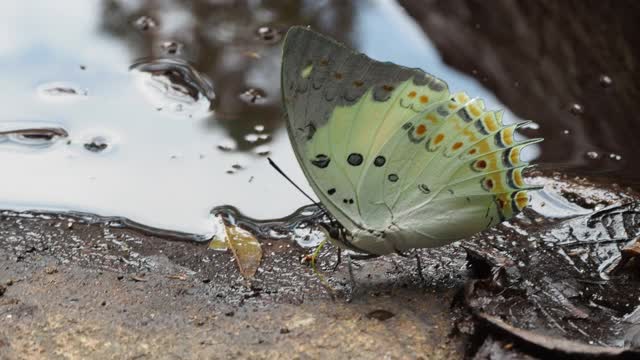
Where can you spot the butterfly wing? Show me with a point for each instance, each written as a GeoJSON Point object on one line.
{"type": "Point", "coordinates": [341, 106]}
{"type": "Point", "coordinates": [389, 149]}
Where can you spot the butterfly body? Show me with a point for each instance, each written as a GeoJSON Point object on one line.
{"type": "Point", "coordinates": [398, 160]}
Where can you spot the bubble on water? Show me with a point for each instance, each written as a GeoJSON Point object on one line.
{"type": "Point", "coordinates": [174, 85]}
{"type": "Point", "coordinates": [615, 157]}
{"type": "Point", "coordinates": [264, 137]}
{"type": "Point", "coordinates": [171, 47]}
{"type": "Point", "coordinates": [593, 155]}
{"type": "Point", "coordinates": [251, 138]}
{"type": "Point", "coordinates": [259, 128]}
{"type": "Point", "coordinates": [576, 109]}
{"type": "Point", "coordinates": [268, 34]}
{"type": "Point", "coordinates": [253, 96]}
{"type": "Point", "coordinates": [566, 132]}
{"type": "Point", "coordinates": [97, 144]}
{"type": "Point", "coordinates": [144, 23]}
{"type": "Point", "coordinates": [605, 81]}
{"type": "Point", "coordinates": [262, 150]}
{"type": "Point", "coordinates": [61, 91]}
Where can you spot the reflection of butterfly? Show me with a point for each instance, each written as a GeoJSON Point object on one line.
{"type": "Point", "coordinates": [399, 161]}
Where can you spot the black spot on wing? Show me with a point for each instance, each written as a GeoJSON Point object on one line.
{"type": "Point", "coordinates": [379, 161]}
{"type": "Point", "coordinates": [321, 161]}
{"type": "Point", "coordinates": [354, 159]}
{"type": "Point", "coordinates": [393, 177]}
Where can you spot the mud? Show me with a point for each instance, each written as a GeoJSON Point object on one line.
{"type": "Point", "coordinates": [75, 288]}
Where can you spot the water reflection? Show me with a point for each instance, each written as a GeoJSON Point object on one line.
{"type": "Point", "coordinates": [188, 127]}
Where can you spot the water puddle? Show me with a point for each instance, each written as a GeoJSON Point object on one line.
{"type": "Point", "coordinates": [160, 114]}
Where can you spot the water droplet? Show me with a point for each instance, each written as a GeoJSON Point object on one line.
{"type": "Point", "coordinates": [576, 109]}
{"type": "Point", "coordinates": [262, 150]}
{"type": "Point", "coordinates": [175, 85]}
{"type": "Point", "coordinates": [259, 128]}
{"type": "Point", "coordinates": [264, 136]}
{"type": "Point", "coordinates": [253, 96]}
{"type": "Point", "coordinates": [593, 155]}
{"type": "Point", "coordinates": [237, 166]}
{"type": "Point", "coordinates": [615, 157]}
{"type": "Point", "coordinates": [566, 132]}
{"type": "Point", "coordinates": [268, 34]}
{"type": "Point", "coordinates": [145, 23]}
{"type": "Point", "coordinates": [83, 67]}
{"type": "Point", "coordinates": [605, 81]}
{"type": "Point", "coordinates": [251, 138]}
{"type": "Point", "coordinates": [97, 144]}
{"type": "Point", "coordinates": [171, 47]}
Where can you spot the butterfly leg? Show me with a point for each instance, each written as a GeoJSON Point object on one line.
{"type": "Point", "coordinates": [352, 280]}
{"type": "Point", "coordinates": [416, 254]}
{"type": "Point", "coordinates": [338, 261]}
{"type": "Point", "coordinates": [419, 267]}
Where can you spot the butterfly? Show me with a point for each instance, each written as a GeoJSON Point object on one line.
{"type": "Point", "coordinates": [394, 157]}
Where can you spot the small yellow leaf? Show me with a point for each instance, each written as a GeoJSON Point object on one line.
{"type": "Point", "coordinates": [246, 249]}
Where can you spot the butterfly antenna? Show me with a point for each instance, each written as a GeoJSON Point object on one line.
{"type": "Point", "coordinates": [273, 164]}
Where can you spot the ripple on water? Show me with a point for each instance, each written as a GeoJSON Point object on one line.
{"type": "Point", "coordinates": [174, 85]}
{"type": "Point", "coordinates": [33, 134]}
{"type": "Point", "coordinates": [60, 91]}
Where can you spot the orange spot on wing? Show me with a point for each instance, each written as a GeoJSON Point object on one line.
{"type": "Point", "coordinates": [507, 136]}
{"type": "Point", "coordinates": [473, 151]}
{"type": "Point", "coordinates": [431, 118]}
{"type": "Point", "coordinates": [439, 139]}
{"type": "Point", "coordinates": [475, 111]}
{"type": "Point", "coordinates": [490, 123]}
{"type": "Point", "coordinates": [481, 164]}
{"type": "Point", "coordinates": [488, 184]}
{"type": "Point", "coordinates": [517, 178]}
{"type": "Point", "coordinates": [457, 145]}
{"type": "Point", "coordinates": [514, 156]}
{"type": "Point", "coordinates": [424, 99]}
{"type": "Point", "coordinates": [421, 129]}
{"type": "Point", "coordinates": [412, 94]}
{"type": "Point", "coordinates": [521, 200]}
{"type": "Point", "coordinates": [337, 75]}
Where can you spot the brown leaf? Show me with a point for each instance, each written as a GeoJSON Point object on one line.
{"type": "Point", "coordinates": [245, 247]}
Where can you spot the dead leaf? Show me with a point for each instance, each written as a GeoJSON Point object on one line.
{"type": "Point", "coordinates": [245, 247]}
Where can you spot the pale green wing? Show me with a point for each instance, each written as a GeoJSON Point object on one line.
{"type": "Point", "coordinates": [341, 108]}
{"type": "Point", "coordinates": [465, 174]}
{"type": "Point", "coordinates": [387, 147]}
